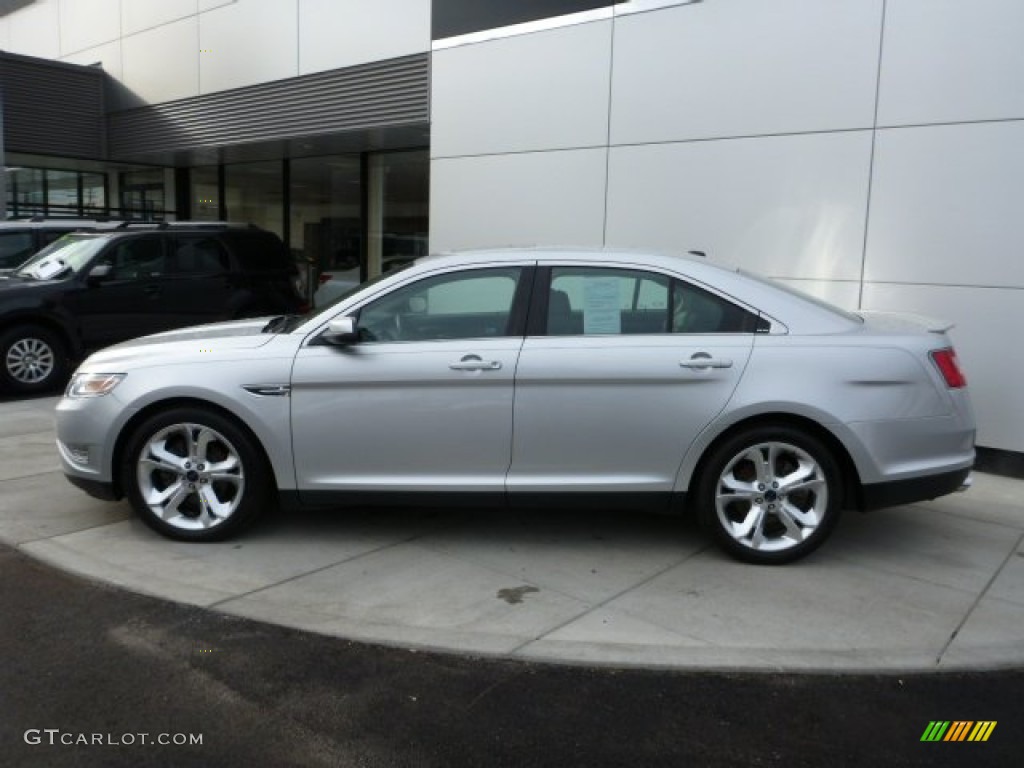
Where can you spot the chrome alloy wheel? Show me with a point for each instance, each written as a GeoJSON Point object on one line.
{"type": "Point", "coordinates": [771, 496]}
{"type": "Point", "coordinates": [30, 360]}
{"type": "Point", "coordinates": [190, 476]}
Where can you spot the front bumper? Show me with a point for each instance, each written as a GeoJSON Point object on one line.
{"type": "Point", "coordinates": [95, 488]}
{"type": "Point", "coordinates": [87, 429]}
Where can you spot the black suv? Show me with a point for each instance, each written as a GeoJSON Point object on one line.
{"type": "Point", "coordinates": [91, 289]}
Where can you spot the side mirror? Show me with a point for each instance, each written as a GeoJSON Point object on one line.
{"type": "Point", "coordinates": [100, 272]}
{"type": "Point", "coordinates": [341, 331]}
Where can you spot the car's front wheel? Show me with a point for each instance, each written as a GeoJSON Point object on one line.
{"type": "Point", "coordinates": [32, 360]}
{"type": "Point", "coordinates": [195, 475]}
{"type": "Point", "coordinates": [770, 494]}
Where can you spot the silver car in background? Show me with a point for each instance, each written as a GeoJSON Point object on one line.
{"type": "Point", "coordinates": [609, 379]}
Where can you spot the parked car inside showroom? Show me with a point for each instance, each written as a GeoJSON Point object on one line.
{"type": "Point", "coordinates": [609, 379]}
{"type": "Point", "coordinates": [88, 290]}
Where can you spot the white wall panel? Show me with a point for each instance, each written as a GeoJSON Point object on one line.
{"type": "Point", "coordinates": [108, 56]}
{"type": "Point", "coordinates": [547, 90]}
{"type": "Point", "coordinates": [248, 42]}
{"type": "Point", "coordinates": [542, 198]}
{"type": "Point", "coordinates": [137, 15]}
{"type": "Point", "coordinates": [162, 64]}
{"type": "Point", "coordinates": [949, 60]}
{"type": "Point", "coordinates": [994, 370]}
{"type": "Point", "coordinates": [88, 23]}
{"type": "Point", "coordinates": [743, 68]}
{"type": "Point", "coordinates": [343, 33]}
{"type": "Point", "coordinates": [34, 30]}
{"type": "Point", "coordinates": [786, 206]}
{"type": "Point", "coordinates": [845, 294]}
{"type": "Point", "coordinates": [946, 204]}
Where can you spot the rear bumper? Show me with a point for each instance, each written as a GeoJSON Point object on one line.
{"type": "Point", "coordinates": [896, 492]}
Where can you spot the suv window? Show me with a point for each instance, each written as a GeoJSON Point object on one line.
{"type": "Point", "coordinates": [137, 258]}
{"type": "Point", "coordinates": [259, 251]}
{"type": "Point", "coordinates": [199, 255]}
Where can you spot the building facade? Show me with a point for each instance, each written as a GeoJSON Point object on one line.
{"type": "Point", "coordinates": [868, 151]}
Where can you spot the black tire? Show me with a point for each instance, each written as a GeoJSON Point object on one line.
{"type": "Point", "coordinates": [794, 518]}
{"type": "Point", "coordinates": [33, 360]}
{"type": "Point", "coordinates": [211, 483]}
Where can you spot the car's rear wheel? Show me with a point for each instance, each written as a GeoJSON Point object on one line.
{"type": "Point", "coordinates": [195, 475]}
{"type": "Point", "coordinates": [32, 359]}
{"type": "Point", "coordinates": [770, 494]}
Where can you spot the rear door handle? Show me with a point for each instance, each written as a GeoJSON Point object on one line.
{"type": "Point", "coordinates": [699, 363]}
{"type": "Point", "coordinates": [474, 363]}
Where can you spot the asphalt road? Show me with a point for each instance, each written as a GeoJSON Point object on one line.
{"type": "Point", "coordinates": [85, 662]}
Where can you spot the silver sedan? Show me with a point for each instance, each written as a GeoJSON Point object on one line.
{"type": "Point", "coordinates": [609, 379]}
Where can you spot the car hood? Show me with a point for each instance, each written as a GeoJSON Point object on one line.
{"type": "Point", "coordinates": [9, 281]}
{"type": "Point", "coordinates": [206, 340]}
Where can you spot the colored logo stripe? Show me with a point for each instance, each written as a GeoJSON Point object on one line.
{"type": "Point", "coordinates": [958, 730]}
{"type": "Point", "coordinates": [935, 731]}
{"type": "Point", "coordinates": [982, 730]}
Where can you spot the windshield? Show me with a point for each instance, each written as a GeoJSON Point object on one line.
{"type": "Point", "coordinates": [69, 252]}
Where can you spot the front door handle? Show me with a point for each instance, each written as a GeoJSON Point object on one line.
{"type": "Point", "coordinates": [700, 363]}
{"type": "Point", "coordinates": [474, 363]}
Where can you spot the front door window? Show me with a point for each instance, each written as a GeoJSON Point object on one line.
{"type": "Point", "coordinates": [461, 305]}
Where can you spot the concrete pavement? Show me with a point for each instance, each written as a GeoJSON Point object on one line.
{"type": "Point", "coordinates": [938, 585]}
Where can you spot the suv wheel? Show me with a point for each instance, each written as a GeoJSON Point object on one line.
{"type": "Point", "coordinates": [32, 359]}
{"type": "Point", "coordinates": [195, 475]}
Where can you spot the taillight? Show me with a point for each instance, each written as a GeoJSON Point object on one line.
{"type": "Point", "coordinates": [945, 360]}
{"type": "Point", "coordinates": [325, 277]}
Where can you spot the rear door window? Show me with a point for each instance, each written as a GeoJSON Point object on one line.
{"type": "Point", "coordinates": [198, 255]}
{"type": "Point", "coordinates": [591, 301]}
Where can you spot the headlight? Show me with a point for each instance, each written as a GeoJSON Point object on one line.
{"type": "Point", "coordinates": [93, 384]}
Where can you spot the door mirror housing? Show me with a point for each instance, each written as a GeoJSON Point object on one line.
{"type": "Point", "coordinates": [100, 272]}
{"type": "Point", "coordinates": [341, 331]}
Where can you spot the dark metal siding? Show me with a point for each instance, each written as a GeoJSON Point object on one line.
{"type": "Point", "coordinates": [51, 108]}
{"type": "Point", "coordinates": [459, 17]}
{"type": "Point", "coordinates": [377, 95]}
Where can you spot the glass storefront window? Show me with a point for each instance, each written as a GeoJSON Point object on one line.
{"type": "Point", "coordinates": [254, 194]}
{"type": "Point", "coordinates": [61, 193]}
{"type": "Point", "coordinates": [205, 193]}
{"type": "Point", "coordinates": [94, 194]}
{"type": "Point", "coordinates": [55, 193]}
{"type": "Point", "coordinates": [326, 223]}
{"type": "Point", "coordinates": [398, 210]}
{"type": "Point", "coordinates": [25, 192]}
{"type": "Point", "coordinates": [143, 195]}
